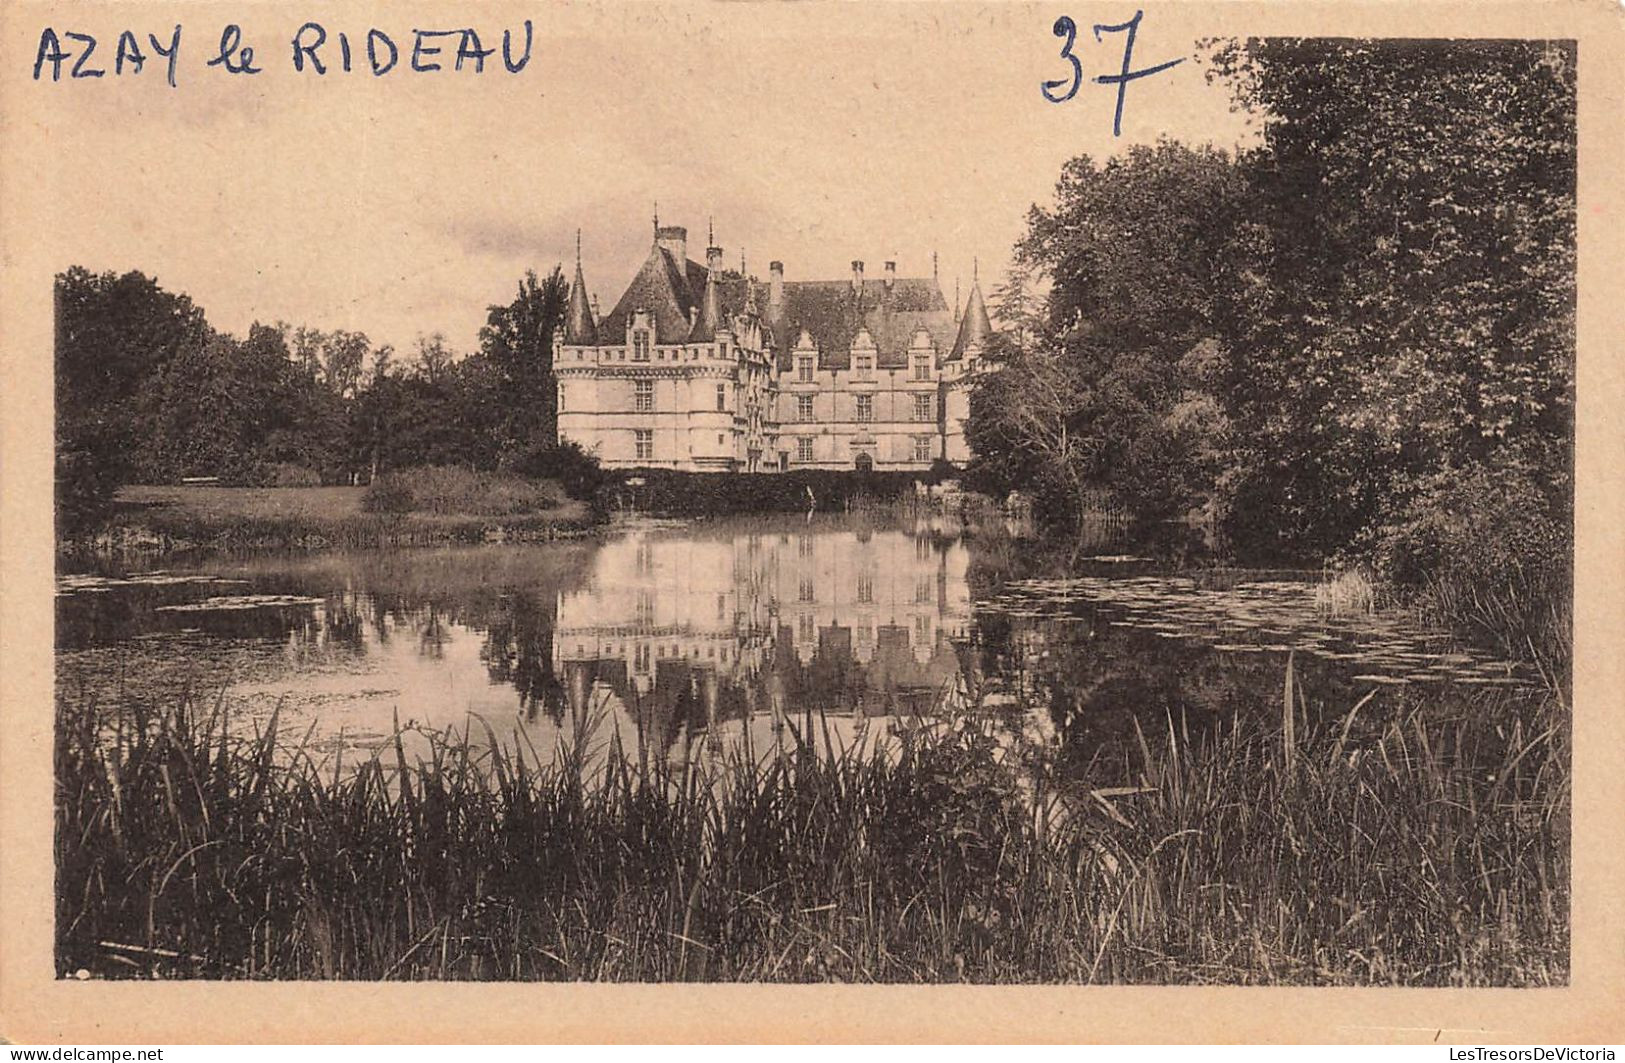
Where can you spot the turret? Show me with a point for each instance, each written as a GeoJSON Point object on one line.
{"type": "Point", "coordinates": [974, 326]}
{"type": "Point", "coordinates": [580, 321]}
{"type": "Point", "coordinates": [709, 317]}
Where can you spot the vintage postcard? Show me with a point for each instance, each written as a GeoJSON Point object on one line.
{"type": "Point", "coordinates": [891, 521]}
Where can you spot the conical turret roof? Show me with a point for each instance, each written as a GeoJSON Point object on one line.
{"type": "Point", "coordinates": [579, 326]}
{"type": "Point", "coordinates": [974, 326]}
{"type": "Point", "coordinates": [710, 317]}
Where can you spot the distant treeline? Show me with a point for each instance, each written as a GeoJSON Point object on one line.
{"type": "Point", "coordinates": [1353, 340]}
{"type": "Point", "coordinates": [148, 392]}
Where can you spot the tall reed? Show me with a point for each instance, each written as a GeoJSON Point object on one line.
{"type": "Point", "coordinates": [1408, 851]}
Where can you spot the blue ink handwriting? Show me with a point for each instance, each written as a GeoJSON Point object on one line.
{"type": "Point", "coordinates": [74, 55]}
{"type": "Point", "coordinates": [128, 53]}
{"type": "Point", "coordinates": [231, 43]}
{"type": "Point", "coordinates": [1066, 29]}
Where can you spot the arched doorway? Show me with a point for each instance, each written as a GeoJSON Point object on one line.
{"type": "Point", "coordinates": [864, 462]}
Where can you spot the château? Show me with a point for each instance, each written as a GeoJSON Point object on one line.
{"type": "Point", "coordinates": [699, 367]}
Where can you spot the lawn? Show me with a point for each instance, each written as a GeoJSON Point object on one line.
{"type": "Point", "coordinates": [225, 504]}
{"type": "Point", "coordinates": [199, 515]}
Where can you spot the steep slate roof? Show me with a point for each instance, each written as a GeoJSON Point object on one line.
{"type": "Point", "coordinates": [831, 312]}
{"type": "Point", "coordinates": [579, 326]}
{"type": "Point", "coordinates": [710, 319]}
{"type": "Point", "coordinates": [974, 327]}
{"type": "Point", "coordinates": [662, 288]}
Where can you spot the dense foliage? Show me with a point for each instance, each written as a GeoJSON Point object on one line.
{"type": "Point", "coordinates": [1314, 340]}
{"type": "Point", "coordinates": [148, 392]}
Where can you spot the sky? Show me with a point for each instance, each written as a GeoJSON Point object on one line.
{"type": "Point", "coordinates": [406, 204]}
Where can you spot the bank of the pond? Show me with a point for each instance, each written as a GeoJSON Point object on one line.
{"type": "Point", "coordinates": [208, 517]}
{"type": "Point", "coordinates": [1411, 851]}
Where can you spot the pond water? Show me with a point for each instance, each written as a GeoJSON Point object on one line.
{"type": "Point", "coordinates": [662, 632]}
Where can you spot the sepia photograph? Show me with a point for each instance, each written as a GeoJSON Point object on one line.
{"type": "Point", "coordinates": [990, 494]}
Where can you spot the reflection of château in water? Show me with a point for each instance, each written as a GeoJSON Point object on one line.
{"type": "Point", "coordinates": [679, 630]}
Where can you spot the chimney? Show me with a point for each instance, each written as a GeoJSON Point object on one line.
{"type": "Point", "coordinates": [857, 274]}
{"type": "Point", "coordinates": [775, 285]}
{"type": "Point", "coordinates": [891, 275]}
{"type": "Point", "coordinates": [674, 240]}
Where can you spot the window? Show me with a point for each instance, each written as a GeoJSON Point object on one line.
{"type": "Point", "coordinates": [722, 397]}
{"type": "Point", "coordinates": [922, 590]}
{"type": "Point", "coordinates": [863, 365]}
{"type": "Point", "coordinates": [804, 628]}
{"type": "Point", "coordinates": [804, 592]}
{"type": "Point", "coordinates": [922, 408]}
{"type": "Point", "coordinates": [645, 443]}
{"type": "Point", "coordinates": [561, 398]}
{"type": "Point", "coordinates": [922, 367]}
{"type": "Point", "coordinates": [866, 407]}
{"type": "Point", "coordinates": [804, 369]}
{"type": "Point", "coordinates": [866, 588]}
{"type": "Point", "coordinates": [640, 345]}
{"type": "Point", "coordinates": [804, 407]}
{"type": "Point", "coordinates": [922, 448]}
{"type": "Point", "coordinates": [804, 449]}
{"type": "Point", "coordinates": [646, 608]}
{"type": "Point", "coordinates": [640, 658]}
{"type": "Point", "coordinates": [644, 392]}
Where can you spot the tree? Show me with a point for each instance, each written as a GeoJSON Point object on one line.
{"type": "Point", "coordinates": [1402, 297]}
{"type": "Point", "coordinates": [434, 358]}
{"type": "Point", "coordinates": [343, 357]}
{"type": "Point", "coordinates": [113, 334]}
{"type": "Point", "coordinates": [1016, 306]}
{"type": "Point", "coordinates": [517, 340]}
{"type": "Point", "coordinates": [1097, 392]}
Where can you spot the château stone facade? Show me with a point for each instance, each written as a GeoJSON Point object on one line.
{"type": "Point", "coordinates": [702, 368]}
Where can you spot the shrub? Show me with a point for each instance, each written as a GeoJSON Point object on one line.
{"type": "Point", "coordinates": [577, 471]}
{"type": "Point", "coordinates": [388, 493]}
{"type": "Point", "coordinates": [85, 489]}
{"type": "Point", "coordinates": [450, 490]}
{"type": "Point", "coordinates": [686, 494]}
{"type": "Point", "coordinates": [1485, 547]}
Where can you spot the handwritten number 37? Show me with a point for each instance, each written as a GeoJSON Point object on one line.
{"type": "Point", "coordinates": [1063, 89]}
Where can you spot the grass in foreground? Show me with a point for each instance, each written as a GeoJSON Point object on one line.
{"type": "Point", "coordinates": [1430, 853]}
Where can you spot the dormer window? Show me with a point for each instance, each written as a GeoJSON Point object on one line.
{"type": "Point", "coordinates": [863, 365]}
{"type": "Point", "coordinates": [804, 369]}
{"type": "Point", "coordinates": [640, 345]}
{"type": "Point", "coordinates": [922, 367]}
